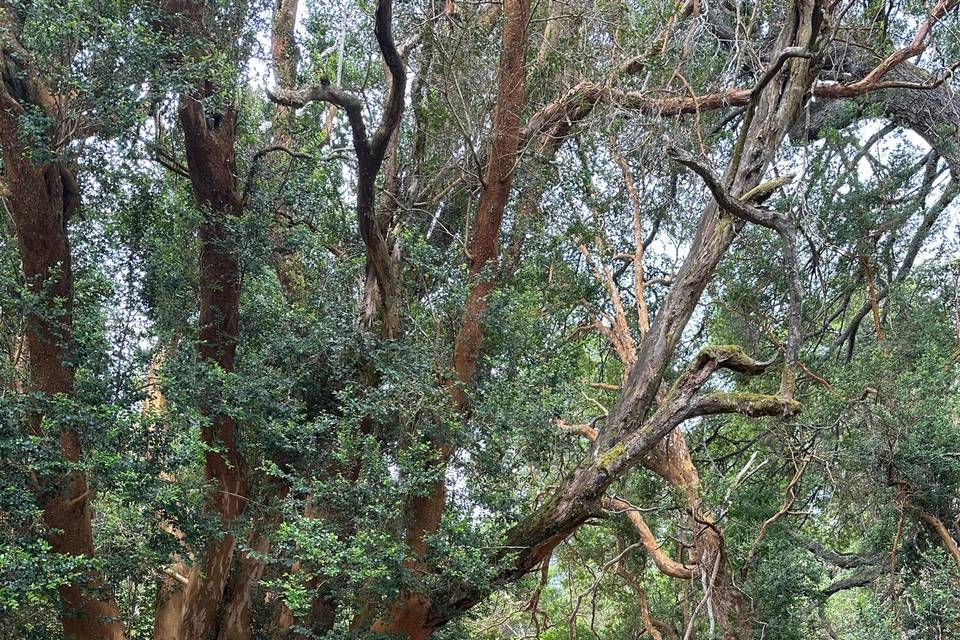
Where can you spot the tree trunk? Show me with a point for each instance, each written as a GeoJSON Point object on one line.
{"type": "Point", "coordinates": [42, 196]}
{"type": "Point", "coordinates": [670, 459]}
{"type": "Point", "coordinates": [209, 142]}
{"type": "Point", "coordinates": [168, 609]}
{"type": "Point", "coordinates": [409, 616]}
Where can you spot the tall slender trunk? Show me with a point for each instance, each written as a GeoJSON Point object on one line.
{"type": "Point", "coordinates": [168, 606]}
{"type": "Point", "coordinates": [209, 141]}
{"type": "Point", "coordinates": [237, 615]}
{"type": "Point", "coordinates": [408, 617]}
{"type": "Point", "coordinates": [285, 57]}
{"type": "Point", "coordinates": [42, 197]}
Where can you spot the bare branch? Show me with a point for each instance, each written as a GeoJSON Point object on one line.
{"type": "Point", "coordinates": [729, 203]}
{"type": "Point", "coordinates": [381, 270]}
{"type": "Point", "coordinates": [667, 565]}
{"type": "Point", "coordinates": [324, 92]}
{"type": "Point", "coordinates": [872, 81]}
{"type": "Point", "coordinates": [255, 166]}
{"type": "Point", "coordinates": [861, 579]}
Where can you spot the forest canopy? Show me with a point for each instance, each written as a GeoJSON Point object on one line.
{"type": "Point", "coordinates": [608, 319]}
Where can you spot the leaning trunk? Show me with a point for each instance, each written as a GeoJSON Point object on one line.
{"type": "Point", "coordinates": [409, 616]}
{"type": "Point", "coordinates": [626, 437]}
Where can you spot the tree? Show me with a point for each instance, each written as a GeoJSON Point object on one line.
{"type": "Point", "coordinates": [415, 296]}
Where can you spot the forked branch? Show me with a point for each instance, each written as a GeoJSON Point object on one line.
{"type": "Point", "coordinates": [381, 270]}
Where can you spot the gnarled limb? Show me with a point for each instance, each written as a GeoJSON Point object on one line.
{"type": "Point", "coordinates": [770, 219]}
{"type": "Point", "coordinates": [370, 152]}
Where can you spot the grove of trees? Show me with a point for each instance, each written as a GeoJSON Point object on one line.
{"type": "Point", "coordinates": [597, 319]}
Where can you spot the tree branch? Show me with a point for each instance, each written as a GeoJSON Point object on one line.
{"type": "Point", "coordinates": [381, 270]}
{"type": "Point", "coordinates": [736, 206]}
{"type": "Point", "coordinates": [747, 404]}
{"type": "Point", "coordinates": [324, 92]}
{"type": "Point", "coordinates": [393, 109]}
{"type": "Point", "coordinates": [667, 565]}
{"type": "Point", "coordinates": [255, 165]}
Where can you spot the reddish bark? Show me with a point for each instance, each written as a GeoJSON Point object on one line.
{"type": "Point", "coordinates": [671, 460]}
{"type": "Point", "coordinates": [209, 143]}
{"type": "Point", "coordinates": [168, 609]}
{"type": "Point", "coordinates": [633, 429]}
{"type": "Point", "coordinates": [410, 616]}
{"type": "Point", "coordinates": [42, 196]}
{"type": "Point", "coordinates": [497, 181]}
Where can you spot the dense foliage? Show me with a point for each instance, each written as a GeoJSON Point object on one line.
{"type": "Point", "coordinates": [479, 320]}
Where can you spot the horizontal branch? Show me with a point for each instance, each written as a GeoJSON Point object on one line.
{"type": "Point", "coordinates": [843, 560]}
{"type": "Point", "coordinates": [323, 92]}
{"type": "Point", "coordinates": [584, 95]}
{"type": "Point", "coordinates": [732, 358]}
{"type": "Point", "coordinates": [752, 405]}
{"type": "Point", "coordinates": [861, 579]}
{"type": "Point", "coordinates": [584, 430]}
{"type": "Point", "coordinates": [255, 166]}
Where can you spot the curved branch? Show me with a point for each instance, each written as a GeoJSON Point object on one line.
{"type": "Point", "coordinates": [393, 110]}
{"type": "Point", "coordinates": [780, 223]}
{"type": "Point", "coordinates": [918, 45]}
{"type": "Point", "coordinates": [667, 565]}
{"type": "Point", "coordinates": [739, 207]}
{"type": "Point", "coordinates": [860, 579]}
{"type": "Point", "coordinates": [751, 405]}
{"type": "Point", "coordinates": [255, 166]}
{"type": "Point", "coordinates": [324, 92]}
